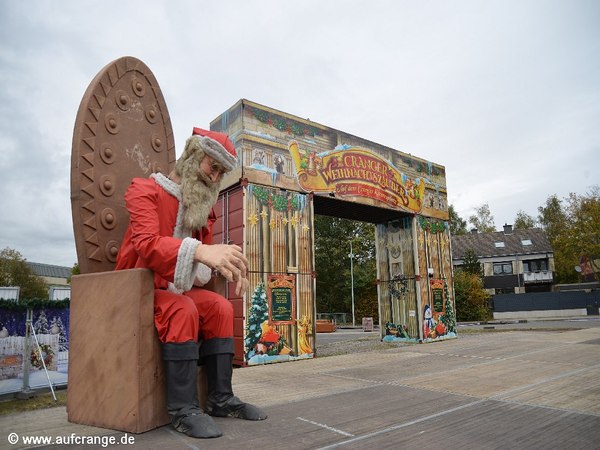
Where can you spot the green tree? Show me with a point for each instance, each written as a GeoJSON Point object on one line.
{"type": "Point", "coordinates": [483, 220]}
{"type": "Point", "coordinates": [471, 298]}
{"type": "Point", "coordinates": [471, 263]}
{"type": "Point", "coordinates": [524, 221]}
{"type": "Point", "coordinates": [75, 270]}
{"type": "Point", "coordinates": [457, 224]}
{"type": "Point", "coordinates": [449, 318]}
{"type": "Point", "coordinates": [14, 271]}
{"type": "Point", "coordinates": [552, 217]}
{"type": "Point", "coordinates": [584, 222]}
{"type": "Point", "coordinates": [259, 312]}
{"type": "Point", "coordinates": [573, 229]}
{"type": "Point", "coordinates": [332, 264]}
{"type": "Point", "coordinates": [367, 303]}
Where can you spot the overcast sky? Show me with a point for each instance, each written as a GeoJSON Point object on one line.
{"type": "Point", "coordinates": [505, 94]}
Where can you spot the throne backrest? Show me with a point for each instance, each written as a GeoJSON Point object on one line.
{"type": "Point", "coordinates": [122, 131]}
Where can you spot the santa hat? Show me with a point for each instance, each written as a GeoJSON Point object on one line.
{"type": "Point", "coordinates": [218, 146]}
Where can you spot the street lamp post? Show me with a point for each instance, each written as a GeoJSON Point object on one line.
{"type": "Point", "coordinates": [351, 255]}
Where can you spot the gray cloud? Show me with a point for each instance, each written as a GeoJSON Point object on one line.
{"type": "Point", "coordinates": [505, 94]}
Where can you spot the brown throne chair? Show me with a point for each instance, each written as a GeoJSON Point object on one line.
{"type": "Point", "coordinates": [122, 131]}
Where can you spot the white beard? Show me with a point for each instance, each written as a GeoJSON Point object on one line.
{"type": "Point", "coordinates": [199, 194]}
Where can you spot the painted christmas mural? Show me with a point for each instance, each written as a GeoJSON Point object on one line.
{"type": "Point", "coordinates": [439, 321]}
{"type": "Point", "coordinates": [399, 331]}
{"type": "Point", "coordinates": [397, 281]}
{"type": "Point", "coordinates": [280, 309]}
{"type": "Point", "coordinates": [51, 327]}
{"type": "Point", "coordinates": [264, 341]}
{"type": "Point", "coordinates": [439, 318]}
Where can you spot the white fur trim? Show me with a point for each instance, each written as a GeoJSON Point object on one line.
{"type": "Point", "coordinates": [179, 231]}
{"type": "Point", "coordinates": [203, 275]}
{"type": "Point", "coordinates": [187, 272]}
{"type": "Point", "coordinates": [185, 268]}
{"type": "Point", "coordinates": [219, 153]}
{"type": "Point", "coordinates": [171, 288]}
{"type": "Point", "coordinates": [167, 184]}
{"type": "Point", "coordinates": [175, 190]}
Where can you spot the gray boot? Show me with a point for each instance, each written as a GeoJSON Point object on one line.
{"type": "Point", "coordinates": [181, 368]}
{"type": "Point", "coordinates": [221, 402]}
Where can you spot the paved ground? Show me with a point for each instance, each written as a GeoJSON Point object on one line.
{"type": "Point", "coordinates": [511, 389]}
{"type": "Point", "coordinates": [531, 324]}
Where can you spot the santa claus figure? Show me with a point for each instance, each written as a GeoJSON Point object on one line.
{"type": "Point", "coordinates": [170, 232]}
{"type": "Point", "coordinates": [428, 323]}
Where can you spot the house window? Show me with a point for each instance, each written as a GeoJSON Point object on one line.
{"type": "Point", "coordinates": [505, 290]}
{"type": "Point", "coordinates": [499, 244]}
{"type": "Point", "coordinates": [504, 268]}
{"type": "Point", "coordinates": [526, 242]}
{"type": "Point", "coordinates": [535, 265]}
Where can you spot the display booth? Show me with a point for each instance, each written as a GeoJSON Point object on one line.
{"type": "Point", "coordinates": [291, 169]}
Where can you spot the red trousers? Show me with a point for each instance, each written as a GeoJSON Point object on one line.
{"type": "Point", "coordinates": [195, 314]}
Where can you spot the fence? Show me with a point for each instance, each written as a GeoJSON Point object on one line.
{"type": "Point", "coordinates": [546, 304]}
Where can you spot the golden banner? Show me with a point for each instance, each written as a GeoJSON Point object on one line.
{"type": "Point", "coordinates": [355, 172]}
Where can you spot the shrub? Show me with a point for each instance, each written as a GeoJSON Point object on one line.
{"type": "Point", "coordinates": [471, 298]}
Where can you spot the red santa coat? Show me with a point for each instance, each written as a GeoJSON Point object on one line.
{"type": "Point", "coordinates": [149, 241]}
{"type": "Point", "coordinates": [155, 240]}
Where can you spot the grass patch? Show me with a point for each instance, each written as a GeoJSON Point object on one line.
{"type": "Point", "coordinates": [39, 401]}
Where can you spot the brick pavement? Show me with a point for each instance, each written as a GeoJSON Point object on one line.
{"type": "Point", "coordinates": [512, 389]}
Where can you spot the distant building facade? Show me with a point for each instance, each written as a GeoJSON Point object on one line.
{"type": "Point", "coordinates": [51, 274]}
{"type": "Point", "coordinates": [56, 277]}
{"type": "Point", "coordinates": [514, 261]}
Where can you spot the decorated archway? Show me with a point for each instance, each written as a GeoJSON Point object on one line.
{"type": "Point", "coordinates": [291, 168]}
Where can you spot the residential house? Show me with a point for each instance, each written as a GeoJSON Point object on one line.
{"type": "Point", "coordinates": [514, 261]}
{"type": "Point", "coordinates": [56, 277]}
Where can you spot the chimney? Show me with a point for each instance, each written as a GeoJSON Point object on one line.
{"type": "Point", "coordinates": [473, 230]}
{"type": "Point", "coordinates": [508, 229]}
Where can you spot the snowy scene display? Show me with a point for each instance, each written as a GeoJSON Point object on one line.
{"type": "Point", "coordinates": [51, 329]}
{"type": "Point", "coordinates": [439, 322]}
{"type": "Point", "coordinates": [264, 342]}
{"type": "Point", "coordinates": [397, 332]}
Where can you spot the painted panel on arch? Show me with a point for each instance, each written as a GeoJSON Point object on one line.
{"type": "Point", "coordinates": [265, 137]}
{"type": "Point", "coordinates": [280, 306]}
{"type": "Point", "coordinates": [397, 281]}
{"type": "Point", "coordinates": [439, 318]}
{"type": "Point", "coordinates": [355, 173]}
